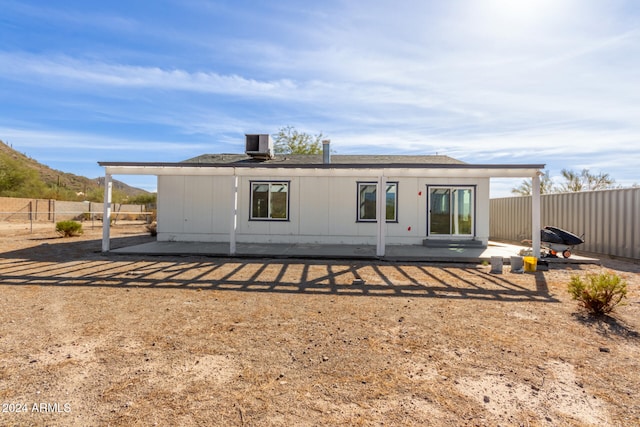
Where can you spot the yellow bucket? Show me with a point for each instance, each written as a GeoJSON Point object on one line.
{"type": "Point", "coordinates": [530, 263]}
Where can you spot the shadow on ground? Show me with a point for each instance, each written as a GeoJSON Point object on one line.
{"type": "Point", "coordinates": [68, 248]}
{"type": "Point", "coordinates": [607, 325]}
{"type": "Point", "coordinates": [81, 263]}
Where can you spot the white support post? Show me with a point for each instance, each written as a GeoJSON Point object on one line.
{"type": "Point", "coordinates": [234, 215]}
{"type": "Point", "coordinates": [381, 214]}
{"type": "Point", "coordinates": [535, 215]}
{"type": "Point", "coordinates": [106, 213]}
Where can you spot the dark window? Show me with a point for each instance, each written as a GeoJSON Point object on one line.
{"type": "Point", "coordinates": [367, 201]}
{"type": "Point", "coordinates": [270, 200]}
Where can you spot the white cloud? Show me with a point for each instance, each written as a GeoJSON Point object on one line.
{"type": "Point", "coordinates": [88, 74]}
{"type": "Point", "coordinates": [63, 140]}
{"type": "Point", "coordinates": [546, 81]}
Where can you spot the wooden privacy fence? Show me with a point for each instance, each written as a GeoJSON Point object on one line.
{"type": "Point", "coordinates": [609, 219]}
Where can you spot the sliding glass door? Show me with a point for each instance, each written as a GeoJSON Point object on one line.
{"type": "Point", "coordinates": [451, 211]}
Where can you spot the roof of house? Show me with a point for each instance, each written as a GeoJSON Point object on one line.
{"type": "Point", "coordinates": [317, 159]}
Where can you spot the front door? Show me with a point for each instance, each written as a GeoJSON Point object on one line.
{"type": "Point", "coordinates": [451, 211]}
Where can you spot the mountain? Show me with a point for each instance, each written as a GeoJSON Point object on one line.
{"type": "Point", "coordinates": [121, 186]}
{"type": "Point", "coordinates": [22, 176]}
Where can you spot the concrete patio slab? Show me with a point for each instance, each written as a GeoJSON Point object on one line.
{"type": "Point", "coordinates": [416, 253]}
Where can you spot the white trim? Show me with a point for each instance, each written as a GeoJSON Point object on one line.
{"type": "Point", "coordinates": [359, 200]}
{"type": "Point", "coordinates": [269, 184]}
{"type": "Point", "coordinates": [425, 172]}
{"type": "Point", "coordinates": [474, 203]}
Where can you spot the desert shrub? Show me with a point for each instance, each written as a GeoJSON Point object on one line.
{"type": "Point", "coordinates": [598, 293]}
{"type": "Point", "coordinates": [69, 228]}
{"type": "Point", "coordinates": [152, 228]}
{"type": "Point", "coordinates": [153, 217]}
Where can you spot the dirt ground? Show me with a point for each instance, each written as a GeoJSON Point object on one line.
{"type": "Point", "coordinates": [94, 339]}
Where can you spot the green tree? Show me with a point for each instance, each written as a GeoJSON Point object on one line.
{"type": "Point", "coordinates": [144, 199]}
{"type": "Point", "coordinates": [289, 141]}
{"type": "Point", "coordinates": [585, 181]}
{"type": "Point", "coordinates": [17, 180]}
{"type": "Point", "coordinates": [546, 185]}
{"type": "Point", "coordinates": [573, 182]}
{"type": "Point", "coordinates": [97, 195]}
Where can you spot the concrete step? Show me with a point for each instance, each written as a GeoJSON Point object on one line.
{"type": "Point", "coordinates": [431, 243]}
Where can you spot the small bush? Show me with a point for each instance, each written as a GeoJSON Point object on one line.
{"type": "Point", "coordinates": [152, 228]}
{"type": "Point", "coordinates": [599, 293]}
{"type": "Point", "coordinates": [69, 228]}
{"type": "Point", "coordinates": [152, 217]}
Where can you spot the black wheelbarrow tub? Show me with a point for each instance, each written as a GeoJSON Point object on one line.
{"type": "Point", "coordinates": [558, 235]}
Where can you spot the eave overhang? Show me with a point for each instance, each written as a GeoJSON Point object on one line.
{"type": "Point", "coordinates": [412, 169]}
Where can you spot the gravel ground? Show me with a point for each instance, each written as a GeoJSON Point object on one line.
{"type": "Point", "coordinates": [94, 339]}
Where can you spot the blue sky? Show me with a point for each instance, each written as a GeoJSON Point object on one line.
{"type": "Point", "coordinates": [484, 81]}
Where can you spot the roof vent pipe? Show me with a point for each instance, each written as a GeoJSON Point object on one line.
{"type": "Point", "coordinates": [326, 151]}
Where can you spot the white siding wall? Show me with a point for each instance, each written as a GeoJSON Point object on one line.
{"type": "Point", "coordinates": [170, 207]}
{"type": "Point", "coordinates": [314, 206]}
{"type": "Point", "coordinates": [194, 208]}
{"type": "Point", "coordinates": [321, 210]}
{"type": "Point", "coordinates": [343, 209]}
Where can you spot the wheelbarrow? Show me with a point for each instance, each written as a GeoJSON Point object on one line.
{"type": "Point", "coordinates": [557, 240]}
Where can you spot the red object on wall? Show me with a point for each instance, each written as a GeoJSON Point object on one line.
{"type": "Point", "coordinates": [419, 193]}
{"type": "Point", "coordinates": [409, 228]}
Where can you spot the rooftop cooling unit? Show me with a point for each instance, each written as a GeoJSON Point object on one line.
{"type": "Point", "coordinates": [259, 146]}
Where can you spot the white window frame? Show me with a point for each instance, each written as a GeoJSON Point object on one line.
{"type": "Point", "coordinates": [452, 232]}
{"type": "Point", "coordinates": [270, 217]}
{"type": "Point", "coordinates": [359, 217]}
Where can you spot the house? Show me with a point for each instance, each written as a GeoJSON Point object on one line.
{"type": "Point", "coordinates": [260, 197]}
